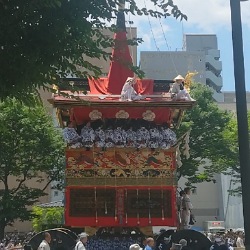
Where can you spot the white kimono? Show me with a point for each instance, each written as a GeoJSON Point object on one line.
{"type": "Point", "coordinates": [128, 92]}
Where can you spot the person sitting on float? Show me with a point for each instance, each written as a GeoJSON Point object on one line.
{"type": "Point", "coordinates": [109, 134]}
{"type": "Point", "coordinates": [88, 136]}
{"type": "Point", "coordinates": [128, 92]}
{"type": "Point", "coordinates": [98, 125]}
{"type": "Point", "coordinates": [178, 90]}
{"type": "Point", "coordinates": [155, 136]}
{"type": "Point", "coordinates": [142, 135]}
{"type": "Point", "coordinates": [131, 134]}
{"type": "Point", "coordinates": [120, 135]}
{"type": "Point", "coordinates": [71, 137]}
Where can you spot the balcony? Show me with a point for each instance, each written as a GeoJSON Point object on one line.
{"type": "Point", "coordinates": [215, 64]}
{"type": "Point", "coordinates": [214, 81]}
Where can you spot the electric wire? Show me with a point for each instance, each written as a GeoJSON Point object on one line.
{"type": "Point", "coordinates": [165, 38]}
{"type": "Point", "coordinates": [151, 29]}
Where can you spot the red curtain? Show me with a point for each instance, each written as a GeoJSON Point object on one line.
{"type": "Point", "coordinates": [98, 86]}
{"type": "Point", "coordinates": [144, 86]}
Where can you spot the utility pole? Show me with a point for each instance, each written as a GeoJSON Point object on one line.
{"type": "Point", "coordinates": [241, 107]}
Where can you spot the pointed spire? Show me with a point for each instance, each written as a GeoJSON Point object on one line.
{"type": "Point", "coordinates": [121, 59]}
{"type": "Point", "coordinates": [120, 16]}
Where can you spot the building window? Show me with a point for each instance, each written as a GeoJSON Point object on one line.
{"type": "Point", "coordinates": [55, 193]}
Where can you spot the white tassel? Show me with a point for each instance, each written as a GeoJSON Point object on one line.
{"type": "Point", "coordinates": [178, 157]}
{"type": "Point", "coordinates": [186, 147]}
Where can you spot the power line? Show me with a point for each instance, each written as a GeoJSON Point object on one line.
{"type": "Point", "coordinates": [151, 28]}
{"type": "Point", "coordinates": [165, 38]}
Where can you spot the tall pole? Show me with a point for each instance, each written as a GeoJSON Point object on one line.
{"type": "Point", "coordinates": [241, 107]}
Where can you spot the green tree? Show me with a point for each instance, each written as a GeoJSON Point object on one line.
{"type": "Point", "coordinates": [42, 41]}
{"type": "Point", "coordinates": [208, 146]}
{"type": "Point", "coordinates": [31, 149]}
{"type": "Point", "coordinates": [45, 218]}
{"type": "Point", "coordinates": [231, 136]}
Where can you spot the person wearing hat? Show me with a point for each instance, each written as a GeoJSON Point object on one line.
{"type": "Point", "coordinates": [135, 247]}
{"type": "Point", "coordinates": [178, 81]}
{"type": "Point", "coordinates": [178, 90]}
{"type": "Point", "coordinates": [83, 238]}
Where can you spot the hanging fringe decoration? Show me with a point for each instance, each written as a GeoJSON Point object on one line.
{"type": "Point", "coordinates": [96, 215]}
{"type": "Point", "coordinates": [184, 139]}
{"type": "Point", "coordinates": [149, 207]}
{"type": "Point", "coordinates": [186, 147]}
{"type": "Point", "coordinates": [137, 201]}
{"type": "Point", "coordinates": [178, 157]}
{"type": "Point", "coordinates": [126, 212]}
{"type": "Point", "coordinates": [162, 205]}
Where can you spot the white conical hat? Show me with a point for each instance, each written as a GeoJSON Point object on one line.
{"type": "Point", "coordinates": [179, 77]}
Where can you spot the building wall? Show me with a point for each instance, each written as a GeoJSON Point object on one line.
{"type": "Point", "coordinates": [196, 42]}
{"type": "Point", "coordinates": [160, 65]}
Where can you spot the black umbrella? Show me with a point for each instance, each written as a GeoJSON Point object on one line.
{"type": "Point", "coordinates": [71, 233]}
{"type": "Point", "coordinates": [195, 240]}
{"type": "Point", "coordinates": [161, 243]}
{"type": "Point", "coordinates": [61, 239]}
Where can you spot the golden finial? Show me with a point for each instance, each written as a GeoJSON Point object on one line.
{"type": "Point", "coordinates": [55, 87]}
{"type": "Point", "coordinates": [189, 79]}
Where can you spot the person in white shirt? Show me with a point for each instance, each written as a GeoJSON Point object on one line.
{"type": "Point", "coordinates": [83, 238]}
{"type": "Point", "coordinates": [128, 92]}
{"type": "Point", "coordinates": [44, 245]}
{"type": "Point", "coordinates": [135, 247]}
{"type": "Point", "coordinates": [239, 241]}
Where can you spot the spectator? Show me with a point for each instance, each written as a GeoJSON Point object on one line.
{"type": "Point", "coordinates": [239, 241]}
{"type": "Point", "coordinates": [45, 243]}
{"type": "Point", "coordinates": [135, 247]}
{"type": "Point", "coordinates": [83, 238]}
{"type": "Point", "coordinates": [150, 243]}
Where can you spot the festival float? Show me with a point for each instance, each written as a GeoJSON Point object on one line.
{"type": "Point", "coordinates": [121, 165]}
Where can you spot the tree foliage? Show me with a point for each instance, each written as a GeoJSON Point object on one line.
{"type": "Point", "coordinates": [231, 136]}
{"type": "Point", "coordinates": [209, 150]}
{"type": "Point", "coordinates": [42, 41]}
{"type": "Point", "coordinates": [46, 218]}
{"type": "Point", "coordinates": [31, 149]}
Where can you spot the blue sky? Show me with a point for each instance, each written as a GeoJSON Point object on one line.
{"type": "Point", "coordinates": [204, 17]}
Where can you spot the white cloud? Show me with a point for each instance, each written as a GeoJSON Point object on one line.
{"type": "Point", "coordinates": [207, 15]}
{"type": "Point", "coordinates": [211, 15]}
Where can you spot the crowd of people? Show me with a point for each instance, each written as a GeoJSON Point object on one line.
{"type": "Point", "coordinates": [132, 133]}
{"type": "Point", "coordinates": [228, 240]}
{"type": "Point", "coordinates": [126, 240]}
{"type": "Point", "coordinates": [15, 240]}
